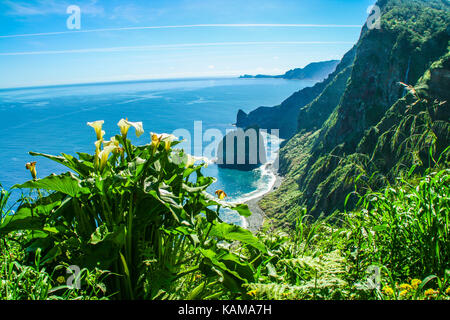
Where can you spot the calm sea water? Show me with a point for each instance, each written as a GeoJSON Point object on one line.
{"type": "Point", "coordinates": [53, 120]}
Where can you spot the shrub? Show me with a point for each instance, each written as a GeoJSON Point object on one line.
{"type": "Point", "coordinates": [141, 212]}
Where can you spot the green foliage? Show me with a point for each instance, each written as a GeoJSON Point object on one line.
{"type": "Point", "coordinates": [406, 228]}
{"type": "Point", "coordinates": [140, 212]}
{"type": "Point", "coordinates": [403, 230]}
{"type": "Point", "coordinates": [31, 281]}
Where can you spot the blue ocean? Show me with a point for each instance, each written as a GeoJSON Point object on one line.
{"type": "Point", "coordinates": [53, 120]}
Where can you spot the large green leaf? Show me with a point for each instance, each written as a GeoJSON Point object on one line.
{"type": "Point", "coordinates": [67, 160]}
{"type": "Point", "coordinates": [213, 263]}
{"type": "Point", "coordinates": [214, 259]}
{"type": "Point", "coordinates": [31, 216]}
{"type": "Point", "coordinates": [235, 233]}
{"type": "Point", "coordinates": [83, 168]}
{"type": "Point", "coordinates": [234, 263]}
{"type": "Point", "coordinates": [117, 236]}
{"type": "Point", "coordinates": [240, 208]}
{"type": "Point", "coordinates": [21, 220]}
{"type": "Point", "coordinates": [66, 183]}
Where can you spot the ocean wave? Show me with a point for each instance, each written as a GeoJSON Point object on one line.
{"type": "Point", "coordinates": [264, 184]}
{"type": "Point", "coordinates": [141, 98]}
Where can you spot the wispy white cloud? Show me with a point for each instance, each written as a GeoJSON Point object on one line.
{"type": "Point", "coordinates": [49, 7]}
{"type": "Point", "coordinates": [174, 46]}
{"type": "Point", "coordinates": [130, 12]}
{"type": "Point", "coordinates": [242, 25]}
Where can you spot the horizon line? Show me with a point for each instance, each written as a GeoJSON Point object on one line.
{"type": "Point", "coordinates": [236, 25]}
{"type": "Point", "coordinates": [88, 83]}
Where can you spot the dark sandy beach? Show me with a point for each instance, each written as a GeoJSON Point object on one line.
{"type": "Point", "coordinates": [256, 220]}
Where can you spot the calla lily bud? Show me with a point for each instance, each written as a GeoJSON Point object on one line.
{"type": "Point", "coordinates": [98, 145]}
{"type": "Point", "coordinates": [168, 138]}
{"type": "Point", "coordinates": [221, 194]}
{"type": "Point", "coordinates": [32, 167]}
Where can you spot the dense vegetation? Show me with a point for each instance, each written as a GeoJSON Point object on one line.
{"type": "Point", "coordinates": [136, 218]}
{"type": "Point", "coordinates": [365, 201]}
{"type": "Point", "coordinates": [396, 246]}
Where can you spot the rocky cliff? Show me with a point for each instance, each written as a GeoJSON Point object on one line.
{"type": "Point", "coordinates": [284, 116]}
{"type": "Point", "coordinates": [385, 112]}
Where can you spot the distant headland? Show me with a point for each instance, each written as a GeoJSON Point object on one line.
{"type": "Point", "coordinates": [313, 71]}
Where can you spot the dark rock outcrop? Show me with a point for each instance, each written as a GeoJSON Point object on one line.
{"type": "Point", "coordinates": [242, 150]}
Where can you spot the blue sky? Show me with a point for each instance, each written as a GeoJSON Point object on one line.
{"type": "Point", "coordinates": [192, 38]}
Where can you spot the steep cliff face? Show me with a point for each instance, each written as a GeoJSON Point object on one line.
{"type": "Point", "coordinates": [284, 116]}
{"type": "Point", "coordinates": [370, 125]}
{"type": "Point", "coordinates": [401, 51]}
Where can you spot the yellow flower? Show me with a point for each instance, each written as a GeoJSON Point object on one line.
{"type": "Point", "coordinates": [60, 279]}
{"type": "Point", "coordinates": [32, 167]}
{"type": "Point", "coordinates": [405, 287]}
{"type": "Point", "coordinates": [124, 125]}
{"type": "Point", "coordinates": [415, 283]}
{"type": "Point", "coordinates": [403, 293]}
{"type": "Point", "coordinates": [252, 293]}
{"type": "Point", "coordinates": [431, 292]}
{"type": "Point", "coordinates": [447, 291]}
{"type": "Point", "coordinates": [221, 194]}
{"type": "Point", "coordinates": [388, 290]}
{"type": "Point", "coordinates": [97, 125]}
{"type": "Point", "coordinates": [163, 137]}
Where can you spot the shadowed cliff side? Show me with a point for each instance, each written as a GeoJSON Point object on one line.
{"type": "Point", "coordinates": [284, 116]}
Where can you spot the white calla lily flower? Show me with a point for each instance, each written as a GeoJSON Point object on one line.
{"type": "Point", "coordinates": [111, 142]}
{"type": "Point", "coordinates": [124, 125]}
{"type": "Point", "coordinates": [97, 125]}
{"type": "Point", "coordinates": [165, 137]}
{"type": "Point", "coordinates": [104, 154]}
